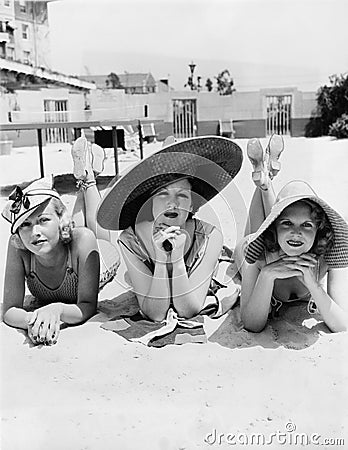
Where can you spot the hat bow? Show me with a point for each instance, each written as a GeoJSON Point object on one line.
{"type": "Point", "coordinates": [19, 199]}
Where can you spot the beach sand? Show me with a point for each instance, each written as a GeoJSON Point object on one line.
{"type": "Point", "coordinates": [95, 390]}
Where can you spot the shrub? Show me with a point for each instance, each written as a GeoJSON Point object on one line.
{"type": "Point", "coordinates": [339, 129]}
{"type": "Point", "coordinates": [332, 104]}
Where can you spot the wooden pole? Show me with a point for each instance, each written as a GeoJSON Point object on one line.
{"type": "Point", "coordinates": [77, 133]}
{"type": "Point", "coordinates": [39, 140]}
{"type": "Point", "coordinates": [140, 140]}
{"type": "Point", "coordinates": [114, 144]}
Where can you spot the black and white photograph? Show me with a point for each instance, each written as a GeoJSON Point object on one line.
{"type": "Point", "coordinates": [174, 224]}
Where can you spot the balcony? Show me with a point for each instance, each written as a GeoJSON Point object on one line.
{"type": "Point", "coordinates": [4, 37]}
{"type": "Point", "coordinates": [45, 74]}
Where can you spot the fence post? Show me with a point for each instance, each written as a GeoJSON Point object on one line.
{"type": "Point", "coordinates": [39, 139]}
{"type": "Point", "coordinates": [114, 144]}
{"type": "Point", "coordinates": [140, 140]}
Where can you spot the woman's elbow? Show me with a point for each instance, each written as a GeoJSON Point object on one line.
{"type": "Point", "coordinates": [88, 310]}
{"type": "Point", "coordinates": [250, 324]}
{"type": "Point", "coordinates": [339, 328]}
{"type": "Point", "coordinates": [193, 311]}
{"type": "Point", "coordinates": [92, 311]}
{"type": "Point", "coordinates": [189, 311]}
{"type": "Point", "coordinates": [253, 328]}
{"type": "Point", "coordinates": [5, 319]}
{"type": "Point", "coordinates": [155, 316]}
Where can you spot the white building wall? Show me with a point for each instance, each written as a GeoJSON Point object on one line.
{"type": "Point", "coordinates": [113, 104]}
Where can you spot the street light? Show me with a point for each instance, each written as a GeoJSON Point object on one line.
{"type": "Point", "coordinates": [191, 83]}
{"type": "Point", "coordinates": [192, 67]}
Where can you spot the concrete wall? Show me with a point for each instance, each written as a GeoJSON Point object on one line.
{"type": "Point", "coordinates": [110, 104]}
{"type": "Point", "coordinates": [246, 109]}
{"type": "Point", "coordinates": [31, 104]}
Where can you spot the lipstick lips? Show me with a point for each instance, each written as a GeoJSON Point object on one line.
{"type": "Point", "coordinates": [38, 242]}
{"type": "Point", "coordinates": [171, 214]}
{"type": "Point", "coordinates": [294, 243]}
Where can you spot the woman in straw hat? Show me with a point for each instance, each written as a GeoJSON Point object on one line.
{"type": "Point", "coordinates": [59, 262]}
{"type": "Point", "coordinates": [171, 255]}
{"type": "Point", "coordinates": [296, 239]}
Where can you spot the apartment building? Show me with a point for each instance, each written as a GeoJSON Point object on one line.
{"type": "Point", "coordinates": [24, 32]}
{"type": "Point", "coordinates": [31, 92]}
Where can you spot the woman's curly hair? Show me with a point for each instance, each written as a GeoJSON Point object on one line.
{"type": "Point", "coordinates": [324, 237]}
{"type": "Point", "coordinates": [66, 225]}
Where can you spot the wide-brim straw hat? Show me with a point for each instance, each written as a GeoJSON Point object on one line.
{"type": "Point", "coordinates": [211, 161]}
{"type": "Point", "coordinates": [336, 257]}
{"type": "Point", "coordinates": [22, 203]}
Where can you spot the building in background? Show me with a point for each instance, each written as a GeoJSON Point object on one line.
{"type": "Point", "coordinates": [31, 92]}
{"type": "Point", "coordinates": [25, 32]}
{"type": "Point", "coordinates": [131, 83]}
{"type": "Point", "coordinates": [29, 89]}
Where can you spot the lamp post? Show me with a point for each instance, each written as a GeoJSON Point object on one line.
{"type": "Point", "coordinates": [192, 67]}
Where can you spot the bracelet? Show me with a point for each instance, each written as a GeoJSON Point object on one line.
{"type": "Point", "coordinates": [84, 185]}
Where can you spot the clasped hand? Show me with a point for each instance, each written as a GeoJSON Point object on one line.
{"type": "Point", "coordinates": [306, 264]}
{"type": "Point", "coordinates": [302, 267]}
{"type": "Point", "coordinates": [175, 236]}
{"type": "Point", "coordinates": [44, 324]}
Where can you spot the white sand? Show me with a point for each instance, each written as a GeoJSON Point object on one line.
{"type": "Point", "coordinates": [94, 390]}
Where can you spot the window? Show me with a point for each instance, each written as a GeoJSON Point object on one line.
{"type": "Point", "coordinates": [25, 31]}
{"type": "Point", "coordinates": [146, 110]}
{"type": "Point", "coordinates": [2, 27]}
{"type": "Point", "coordinates": [22, 6]}
{"type": "Point", "coordinates": [7, 2]}
{"type": "Point", "coordinates": [10, 53]}
{"type": "Point", "coordinates": [26, 57]}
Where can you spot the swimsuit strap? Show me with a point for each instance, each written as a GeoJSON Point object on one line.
{"type": "Point", "coordinates": [32, 263]}
{"type": "Point", "coordinates": [69, 266]}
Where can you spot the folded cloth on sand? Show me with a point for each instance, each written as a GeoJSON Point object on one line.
{"type": "Point", "coordinates": [173, 329]}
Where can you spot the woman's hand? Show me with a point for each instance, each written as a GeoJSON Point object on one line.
{"type": "Point", "coordinates": [44, 324]}
{"type": "Point", "coordinates": [282, 268]}
{"type": "Point", "coordinates": [160, 236]}
{"type": "Point", "coordinates": [179, 241]}
{"type": "Point", "coordinates": [307, 265]}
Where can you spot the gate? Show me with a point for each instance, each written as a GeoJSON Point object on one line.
{"type": "Point", "coordinates": [184, 118]}
{"type": "Point", "coordinates": [56, 111]}
{"type": "Point", "coordinates": [278, 114]}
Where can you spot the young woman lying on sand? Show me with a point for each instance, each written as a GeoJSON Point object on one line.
{"type": "Point", "coordinates": [171, 256]}
{"type": "Point", "coordinates": [59, 263]}
{"type": "Point", "coordinates": [296, 240]}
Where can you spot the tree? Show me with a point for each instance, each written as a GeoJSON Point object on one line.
{"type": "Point", "coordinates": [225, 83]}
{"type": "Point", "coordinates": [190, 83]}
{"type": "Point", "coordinates": [114, 81]}
{"type": "Point", "coordinates": [209, 85]}
{"type": "Point", "coordinates": [329, 117]}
